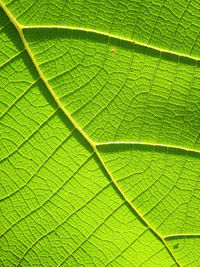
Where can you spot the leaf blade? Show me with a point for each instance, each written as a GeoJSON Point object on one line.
{"type": "Point", "coordinates": [81, 148]}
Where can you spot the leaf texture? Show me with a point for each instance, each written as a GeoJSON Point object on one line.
{"type": "Point", "coordinates": [100, 133]}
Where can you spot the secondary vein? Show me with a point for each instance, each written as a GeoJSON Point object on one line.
{"type": "Point", "coordinates": [150, 144]}
{"type": "Point", "coordinates": [110, 36]}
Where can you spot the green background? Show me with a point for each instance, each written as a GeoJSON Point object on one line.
{"type": "Point", "coordinates": [100, 133]}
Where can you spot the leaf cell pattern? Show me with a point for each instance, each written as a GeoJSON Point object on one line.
{"type": "Point", "coordinates": [100, 133]}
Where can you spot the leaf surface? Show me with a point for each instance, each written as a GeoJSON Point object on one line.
{"type": "Point", "coordinates": [100, 133]}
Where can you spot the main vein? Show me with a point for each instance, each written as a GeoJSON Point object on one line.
{"type": "Point", "coordinates": [76, 125]}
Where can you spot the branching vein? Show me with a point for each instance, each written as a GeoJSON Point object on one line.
{"type": "Point", "coordinates": [76, 125]}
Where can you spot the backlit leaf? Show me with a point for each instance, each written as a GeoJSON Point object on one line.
{"type": "Point", "coordinates": [100, 133]}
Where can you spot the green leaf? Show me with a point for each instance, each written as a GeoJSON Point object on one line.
{"type": "Point", "coordinates": [100, 133]}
